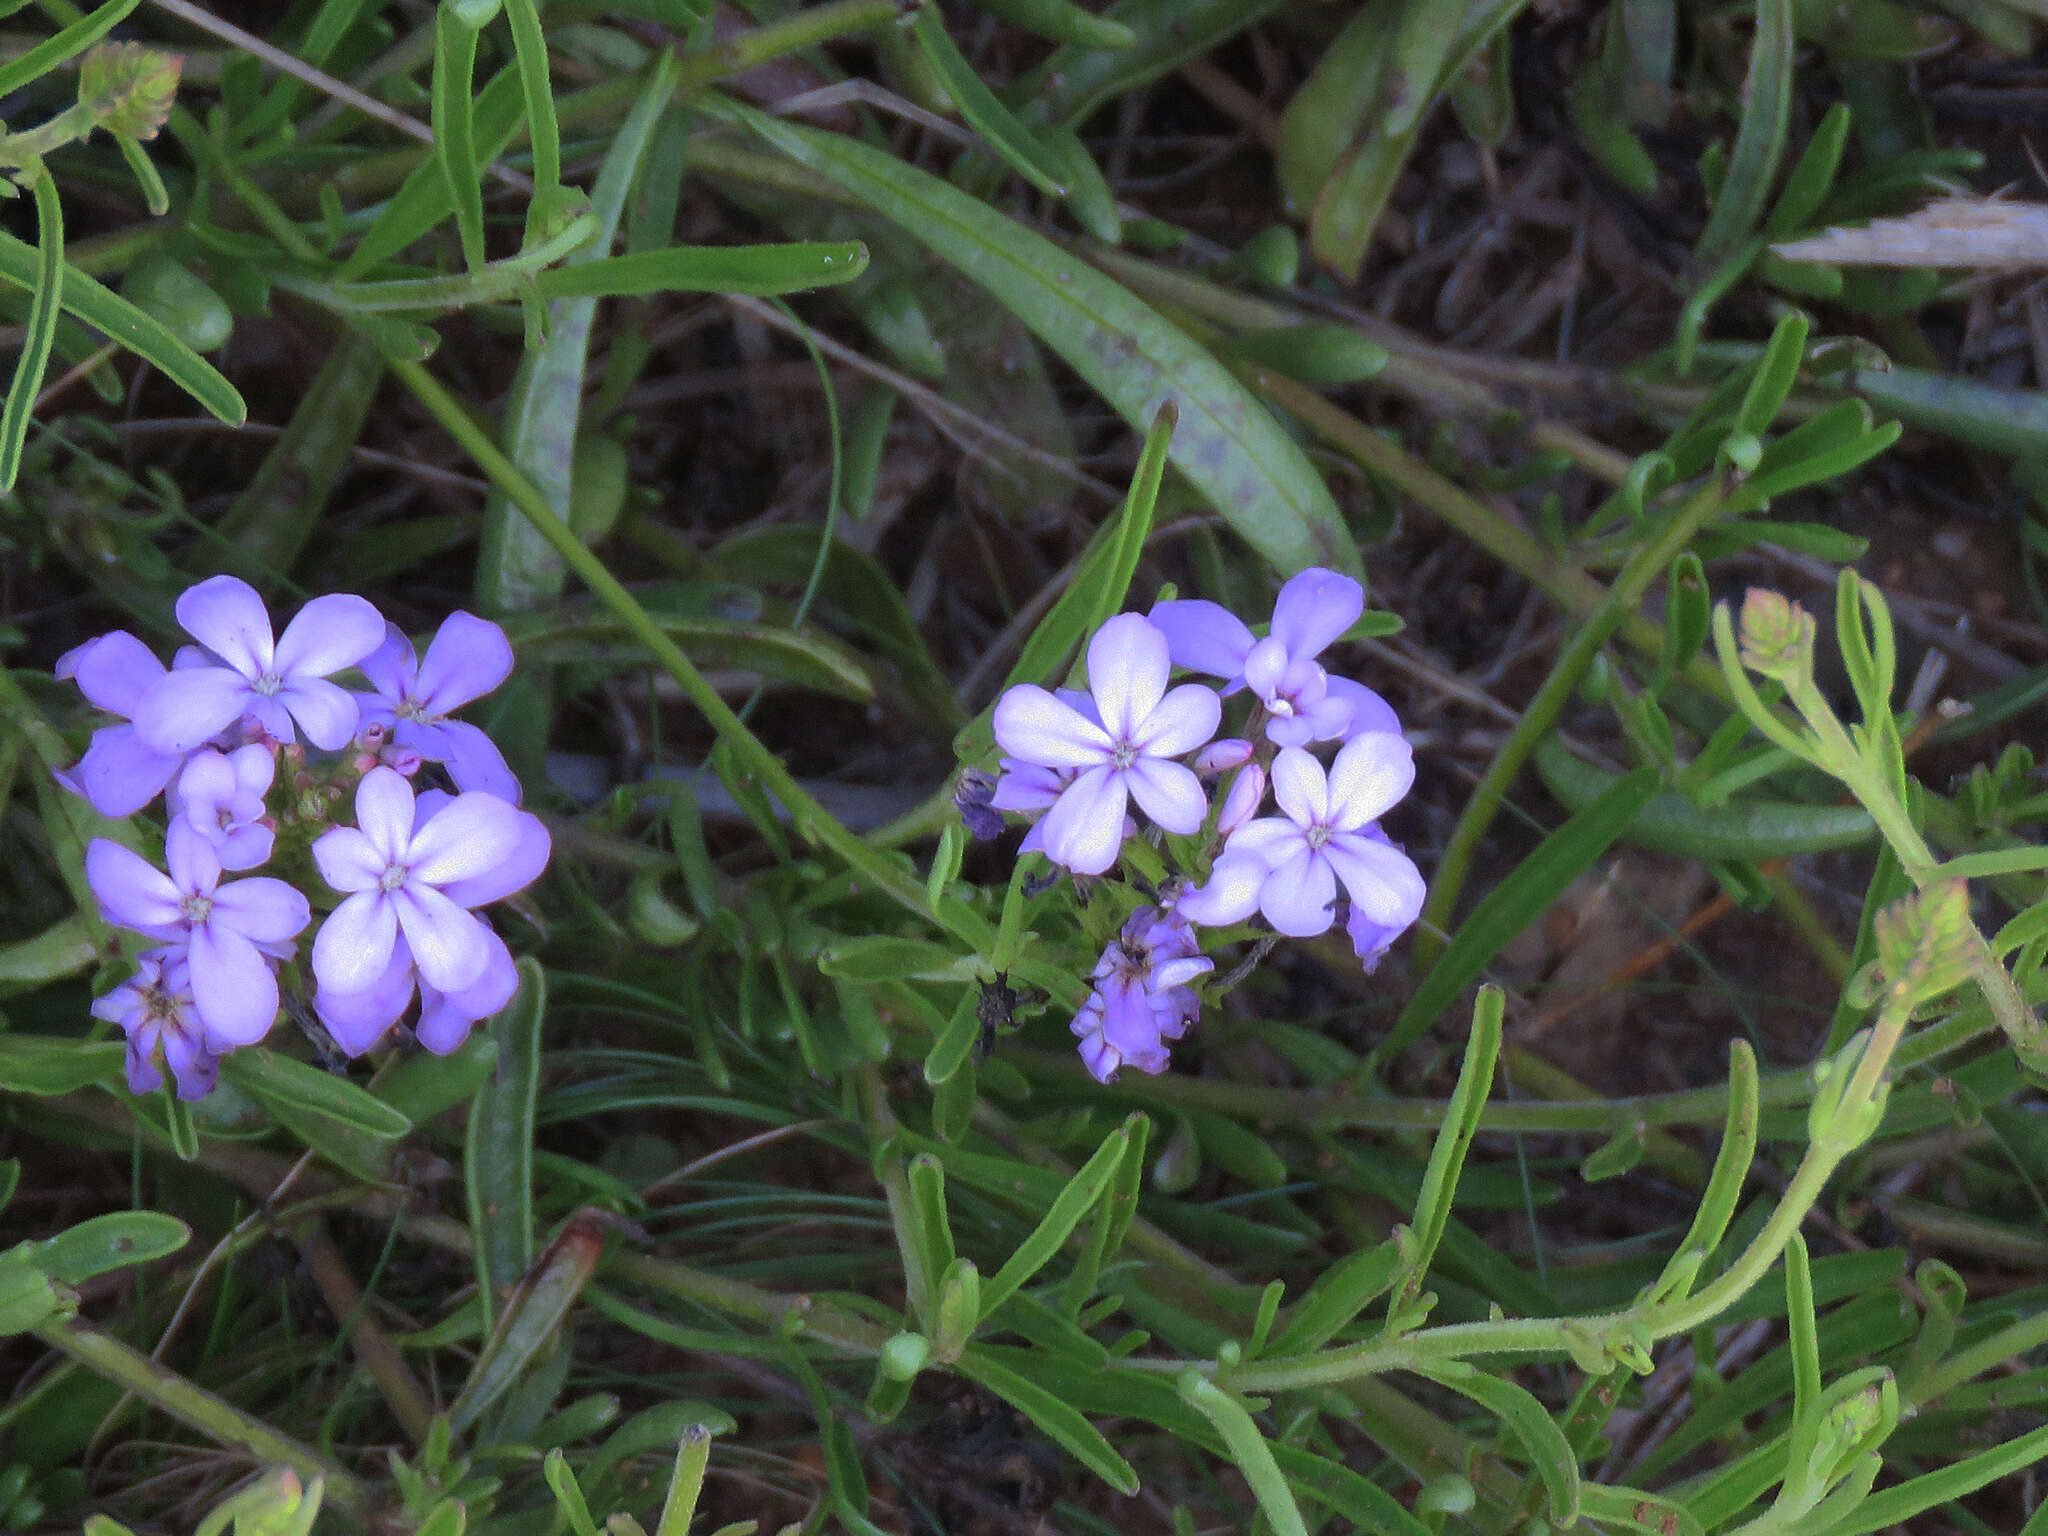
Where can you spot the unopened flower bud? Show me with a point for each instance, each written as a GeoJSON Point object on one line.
{"type": "Point", "coordinates": [1777, 636]}
{"type": "Point", "coordinates": [127, 88]}
{"type": "Point", "coordinates": [1241, 802]}
{"type": "Point", "coordinates": [1222, 756]}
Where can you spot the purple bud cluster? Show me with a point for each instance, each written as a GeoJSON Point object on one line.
{"type": "Point", "coordinates": [223, 735]}
{"type": "Point", "coordinates": [1080, 761]}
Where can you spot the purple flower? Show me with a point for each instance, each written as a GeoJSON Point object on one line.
{"type": "Point", "coordinates": [1289, 866]}
{"type": "Point", "coordinates": [1142, 997]}
{"type": "Point", "coordinates": [120, 773]}
{"type": "Point", "coordinates": [278, 682]}
{"type": "Point", "coordinates": [419, 877]}
{"type": "Point", "coordinates": [155, 1008]}
{"type": "Point", "coordinates": [465, 660]}
{"type": "Point", "coordinates": [359, 1018]}
{"type": "Point", "coordinates": [1303, 703]}
{"type": "Point", "coordinates": [224, 928]}
{"type": "Point", "coordinates": [1242, 800]}
{"type": "Point", "coordinates": [1120, 755]}
{"type": "Point", "coordinates": [221, 796]}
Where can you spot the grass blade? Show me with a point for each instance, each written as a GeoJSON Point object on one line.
{"type": "Point", "coordinates": [44, 308]}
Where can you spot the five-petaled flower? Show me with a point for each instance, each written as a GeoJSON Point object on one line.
{"type": "Point", "coordinates": [220, 794]}
{"type": "Point", "coordinates": [245, 672]}
{"type": "Point", "coordinates": [1303, 703]}
{"type": "Point", "coordinates": [465, 660]}
{"type": "Point", "coordinates": [405, 875]}
{"type": "Point", "coordinates": [120, 772]}
{"type": "Point", "coordinates": [1124, 753]}
{"type": "Point", "coordinates": [358, 1020]}
{"type": "Point", "coordinates": [1289, 866]}
{"type": "Point", "coordinates": [226, 928]}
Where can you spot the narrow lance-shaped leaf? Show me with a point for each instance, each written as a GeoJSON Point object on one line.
{"type": "Point", "coordinates": [1227, 444]}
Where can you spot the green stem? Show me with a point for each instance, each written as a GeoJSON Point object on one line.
{"type": "Point", "coordinates": [803, 29]}
{"type": "Point", "coordinates": [813, 822]}
{"type": "Point", "coordinates": [1612, 612]}
{"type": "Point", "coordinates": [219, 1420]}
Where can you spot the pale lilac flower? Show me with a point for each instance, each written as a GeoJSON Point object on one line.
{"type": "Point", "coordinates": [404, 874]}
{"type": "Point", "coordinates": [225, 928]}
{"type": "Point", "coordinates": [1121, 755]}
{"type": "Point", "coordinates": [1289, 866]}
{"type": "Point", "coordinates": [1303, 703]}
{"type": "Point", "coordinates": [1222, 755]}
{"type": "Point", "coordinates": [276, 682]}
{"type": "Point", "coordinates": [1142, 997]}
{"type": "Point", "coordinates": [359, 1019]}
{"type": "Point", "coordinates": [155, 1008]}
{"type": "Point", "coordinates": [466, 659]}
{"type": "Point", "coordinates": [221, 796]}
{"type": "Point", "coordinates": [120, 773]}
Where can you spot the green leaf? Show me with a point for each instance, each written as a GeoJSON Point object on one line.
{"type": "Point", "coordinates": [1759, 141]}
{"type": "Point", "coordinates": [44, 1067]}
{"type": "Point", "coordinates": [149, 339]}
{"type": "Point", "coordinates": [1447, 1154]}
{"type": "Point", "coordinates": [109, 1242]}
{"type": "Point", "coordinates": [1519, 900]}
{"type": "Point", "coordinates": [1249, 1452]}
{"type": "Point", "coordinates": [73, 40]}
{"type": "Point", "coordinates": [1550, 1453]}
{"type": "Point", "coordinates": [1046, 1239]}
{"type": "Point", "coordinates": [272, 1079]}
{"type": "Point", "coordinates": [1058, 1419]}
{"type": "Point", "coordinates": [498, 1150]}
{"type": "Point", "coordinates": [63, 949]}
{"type": "Point", "coordinates": [999, 129]}
{"type": "Point", "coordinates": [44, 308]}
{"type": "Point", "coordinates": [764, 269]}
{"type": "Point", "coordinates": [802, 659]}
{"type": "Point", "coordinates": [1227, 444]}
{"type": "Point", "coordinates": [454, 126]}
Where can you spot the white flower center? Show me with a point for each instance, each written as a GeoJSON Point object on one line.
{"type": "Point", "coordinates": [196, 908]}
{"type": "Point", "coordinates": [1280, 707]}
{"type": "Point", "coordinates": [1317, 835]}
{"type": "Point", "coordinates": [392, 878]}
{"type": "Point", "coordinates": [267, 685]}
{"type": "Point", "coordinates": [1123, 754]}
{"type": "Point", "coordinates": [410, 708]}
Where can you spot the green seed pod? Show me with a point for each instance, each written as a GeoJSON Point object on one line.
{"type": "Point", "coordinates": [652, 918]}
{"type": "Point", "coordinates": [959, 1310]}
{"type": "Point", "coordinates": [904, 1356]}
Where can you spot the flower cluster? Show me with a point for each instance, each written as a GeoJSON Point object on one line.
{"type": "Point", "coordinates": [1079, 761]}
{"type": "Point", "coordinates": [223, 735]}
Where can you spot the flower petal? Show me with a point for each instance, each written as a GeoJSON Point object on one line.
{"type": "Point", "coordinates": [1229, 895]}
{"type": "Point", "coordinates": [119, 774]}
{"type": "Point", "coordinates": [385, 811]}
{"type": "Point", "coordinates": [353, 947]}
{"type": "Point", "coordinates": [1031, 725]}
{"type": "Point", "coordinates": [1085, 828]}
{"type": "Point", "coordinates": [255, 767]}
{"type": "Point", "coordinates": [1314, 608]}
{"type": "Point", "coordinates": [183, 708]}
{"type": "Point", "coordinates": [1182, 721]}
{"type": "Point", "coordinates": [472, 759]}
{"type": "Point", "coordinates": [1300, 788]}
{"type": "Point", "coordinates": [1384, 883]}
{"type": "Point", "coordinates": [1265, 668]}
{"type": "Point", "coordinates": [329, 633]}
{"type": "Point", "coordinates": [1127, 671]}
{"type": "Point", "coordinates": [1271, 840]}
{"type": "Point", "coordinates": [131, 891]}
{"type": "Point", "coordinates": [1369, 712]}
{"type": "Point", "coordinates": [514, 872]}
{"type": "Point", "coordinates": [470, 836]}
{"type": "Point", "coordinates": [465, 660]}
{"type": "Point", "coordinates": [265, 910]}
{"type": "Point", "coordinates": [1297, 895]}
{"type": "Point", "coordinates": [245, 847]}
{"type": "Point", "coordinates": [446, 1017]}
{"type": "Point", "coordinates": [1170, 794]}
{"type": "Point", "coordinates": [359, 1020]}
{"type": "Point", "coordinates": [194, 866]}
{"type": "Point", "coordinates": [113, 671]}
{"type": "Point", "coordinates": [447, 943]}
{"type": "Point", "coordinates": [347, 860]}
{"type": "Point", "coordinates": [1026, 787]}
{"type": "Point", "coordinates": [224, 614]}
{"type": "Point", "coordinates": [1242, 800]}
{"type": "Point", "coordinates": [325, 712]}
{"type": "Point", "coordinates": [391, 667]}
{"type": "Point", "coordinates": [1371, 774]}
{"type": "Point", "coordinates": [233, 990]}
{"type": "Point", "coordinates": [1203, 636]}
